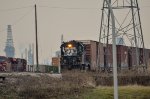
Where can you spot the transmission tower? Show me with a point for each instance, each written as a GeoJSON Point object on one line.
{"type": "Point", "coordinates": [128, 28]}
{"type": "Point", "coordinates": [9, 48]}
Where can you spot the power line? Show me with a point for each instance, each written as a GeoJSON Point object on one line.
{"type": "Point", "coordinates": [17, 21]}
{"type": "Point", "coordinates": [54, 7]}
{"type": "Point", "coordinates": [145, 6]}
{"type": "Point", "coordinates": [71, 8]}
{"type": "Point", "coordinates": [77, 8]}
{"type": "Point", "coordinates": [21, 18]}
{"type": "Point", "coordinates": [12, 9]}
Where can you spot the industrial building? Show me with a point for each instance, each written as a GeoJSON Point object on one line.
{"type": "Point", "coordinates": [9, 48]}
{"type": "Point", "coordinates": [55, 61]}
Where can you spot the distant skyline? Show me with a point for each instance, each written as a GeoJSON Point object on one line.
{"type": "Point", "coordinates": [75, 19]}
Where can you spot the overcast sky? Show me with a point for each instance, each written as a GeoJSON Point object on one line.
{"type": "Point", "coordinates": [75, 19]}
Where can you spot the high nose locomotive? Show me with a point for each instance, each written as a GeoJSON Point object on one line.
{"type": "Point", "coordinates": [72, 55]}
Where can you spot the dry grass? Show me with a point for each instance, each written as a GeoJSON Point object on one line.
{"type": "Point", "coordinates": [71, 85]}
{"type": "Point", "coordinates": [148, 65]}
{"type": "Point", "coordinates": [124, 78]}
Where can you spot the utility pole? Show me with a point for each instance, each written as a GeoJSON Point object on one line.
{"type": "Point", "coordinates": [114, 50]}
{"type": "Point", "coordinates": [37, 60]}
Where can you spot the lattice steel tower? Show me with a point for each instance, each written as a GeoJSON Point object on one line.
{"type": "Point", "coordinates": [128, 27]}
{"type": "Point", "coordinates": [9, 48]}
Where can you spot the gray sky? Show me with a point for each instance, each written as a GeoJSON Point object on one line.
{"type": "Point", "coordinates": [52, 22]}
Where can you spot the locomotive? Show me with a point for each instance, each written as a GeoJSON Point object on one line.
{"type": "Point", "coordinates": [72, 55]}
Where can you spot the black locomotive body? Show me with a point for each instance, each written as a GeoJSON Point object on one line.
{"type": "Point", "coordinates": [72, 54]}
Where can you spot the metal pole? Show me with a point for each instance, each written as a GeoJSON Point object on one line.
{"type": "Point", "coordinates": [135, 37]}
{"type": "Point", "coordinates": [114, 52]}
{"type": "Point", "coordinates": [99, 44]}
{"type": "Point", "coordinates": [106, 48]}
{"type": "Point", "coordinates": [37, 60]}
{"type": "Point", "coordinates": [144, 54]}
{"type": "Point", "coordinates": [59, 66]}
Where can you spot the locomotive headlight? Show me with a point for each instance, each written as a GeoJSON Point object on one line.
{"type": "Point", "coordinates": [69, 45]}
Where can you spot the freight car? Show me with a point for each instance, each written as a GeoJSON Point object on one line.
{"type": "Point", "coordinates": [4, 63]}
{"type": "Point", "coordinates": [18, 64]}
{"type": "Point", "coordinates": [9, 64]}
{"type": "Point", "coordinates": [72, 55]}
{"type": "Point", "coordinates": [102, 60]}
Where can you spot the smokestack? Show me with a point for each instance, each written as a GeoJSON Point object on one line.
{"type": "Point", "coordinates": [62, 39]}
{"type": "Point", "coordinates": [33, 54]}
